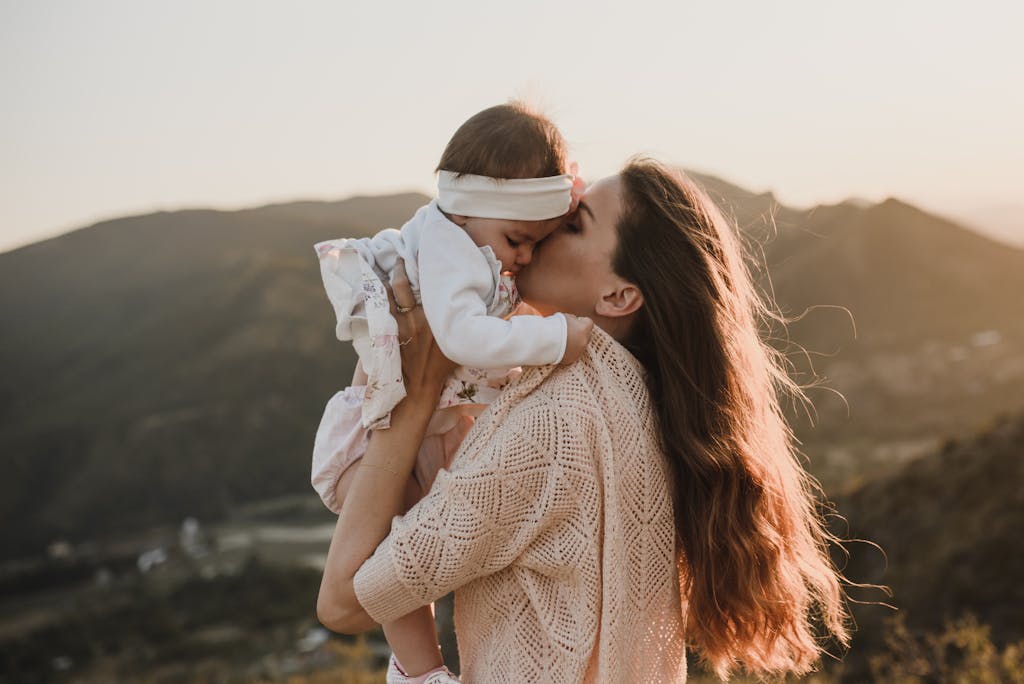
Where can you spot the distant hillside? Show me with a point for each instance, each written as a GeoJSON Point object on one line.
{"type": "Point", "coordinates": [904, 271]}
{"type": "Point", "coordinates": [950, 525]}
{"type": "Point", "coordinates": [1003, 222]}
{"type": "Point", "coordinates": [901, 271]}
{"type": "Point", "coordinates": [165, 365]}
{"type": "Point", "coordinates": [915, 323]}
{"type": "Point", "coordinates": [176, 363]}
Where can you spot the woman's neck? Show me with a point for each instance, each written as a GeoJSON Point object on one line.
{"type": "Point", "coordinates": [618, 327]}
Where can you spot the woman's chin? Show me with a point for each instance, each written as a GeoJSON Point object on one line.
{"type": "Point", "coordinates": [525, 309]}
{"type": "Point", "coordinates": [536, 308]}
{"type": "Point", "coordinates": [529, 286]}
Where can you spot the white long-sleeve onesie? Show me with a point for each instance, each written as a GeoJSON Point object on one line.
{"type": "Point", "coordinates": [465, 299]}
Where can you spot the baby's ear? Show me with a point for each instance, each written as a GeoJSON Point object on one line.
{"type": "Point", "coordinates": [623, 299]}
{"type": "Point", "coordinates": [458, 220]}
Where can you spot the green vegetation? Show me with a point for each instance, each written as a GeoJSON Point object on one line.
{"type": "Point", "coordinates": [962, 652]}
{"type": "Point", "coordinates": [949, 529]}
{"type": "Point", "coordinates": [146, 624]}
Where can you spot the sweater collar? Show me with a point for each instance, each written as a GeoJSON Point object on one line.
{"type": "Point", "coordinates": [603, 352]}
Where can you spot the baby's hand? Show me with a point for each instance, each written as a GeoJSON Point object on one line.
{"type": "Point", "coordinates": [579, 330]}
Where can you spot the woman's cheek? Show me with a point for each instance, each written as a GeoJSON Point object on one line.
{"type": "Point", "coordinates": [545, 275]}
{"type": "Point", "coordinates": [530, 283]}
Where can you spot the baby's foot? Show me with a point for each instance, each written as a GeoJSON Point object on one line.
{"type": "Point", "coordinates": [395, 674]}
{"type": "Point", "coordinates": [442, 676]}
{"type": "Point", "coordinates": [439, 675]}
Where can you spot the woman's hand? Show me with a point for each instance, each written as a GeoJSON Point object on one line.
{"type": "Point", "coordinates": [424, 367]}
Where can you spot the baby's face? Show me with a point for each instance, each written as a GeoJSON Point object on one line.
{"type": "Point", "coordinates": [512, 241]}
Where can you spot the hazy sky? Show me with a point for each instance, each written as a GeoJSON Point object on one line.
{"type": "Point", "coordinates": [124, 107]}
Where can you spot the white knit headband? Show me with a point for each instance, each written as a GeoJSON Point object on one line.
{"type": "Point", "coordinates": [521, 199]}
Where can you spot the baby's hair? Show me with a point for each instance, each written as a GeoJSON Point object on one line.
{"type": "Point", "coordinates": [506, 141]}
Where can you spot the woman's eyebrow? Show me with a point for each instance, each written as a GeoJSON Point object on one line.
{"type": "Point", "coordinates": [584, 207]}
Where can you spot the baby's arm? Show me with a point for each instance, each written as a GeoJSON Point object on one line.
{"type": "Point", "coordinates": [455, 283]}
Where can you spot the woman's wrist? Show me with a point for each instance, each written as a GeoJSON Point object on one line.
{"type": "Point", "coordinates": [423, 392]}
{"type": "Point", "coordinates": [409, 420]}
{"type": "Point", "coordinates": [417, 406]}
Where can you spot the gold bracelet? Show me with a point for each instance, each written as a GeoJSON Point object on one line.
{"type": "Point", "coordinates": [374, 465]}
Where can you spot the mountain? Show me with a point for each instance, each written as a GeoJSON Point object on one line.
{"type": "Point", "coordinates": [905, 271]}
{"type": "Point", "coordinates": [165, 365]}
{"type": "Point", "coordinates": [176, 363]}
{"type": "Point", "coordinates": [900, 270]}
{"type": "Point", "coordinates": [912, 325]}
{"type": "Point", "coordinates": [1003, 222]}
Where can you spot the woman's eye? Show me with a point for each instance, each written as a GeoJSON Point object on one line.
{"type": "Point", "coordinates": [572, 227]}
{"type": "Point", "coordinates": [511, 242]}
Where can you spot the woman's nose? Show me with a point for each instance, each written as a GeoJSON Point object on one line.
{"type": "Point", "coordinates": [525, 256]}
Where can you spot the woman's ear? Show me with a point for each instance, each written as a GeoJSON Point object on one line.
{"type": "Point", "coordinates": [623, 300]}
{"type": "Point", "coordinates": [458, 220]}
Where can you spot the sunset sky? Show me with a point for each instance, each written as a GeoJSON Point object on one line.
{"type": "Point", "coordinates": [115, 107]}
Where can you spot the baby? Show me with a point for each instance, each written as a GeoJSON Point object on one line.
{"type": "Point", "coordinates": [503, 187]}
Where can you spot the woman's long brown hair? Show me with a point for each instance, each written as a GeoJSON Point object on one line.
{"type": "Point", "coordinates": [756, 579]}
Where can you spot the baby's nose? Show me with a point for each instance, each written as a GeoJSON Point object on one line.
{"type": "Point", "coordinates": [525, 256]}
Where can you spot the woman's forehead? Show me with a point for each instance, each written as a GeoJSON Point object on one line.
{"type": "Point", "coordinates": [534, 230]}
{"type": "Point", "coordinates": [602, 201]}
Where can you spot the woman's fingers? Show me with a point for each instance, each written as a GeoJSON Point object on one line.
{"type": "Point", "coordinates": [403, 303]}
{"type": "Point", "coordinates": [423, 364]}
{"type": "Point", "coordinates": [404, 296]}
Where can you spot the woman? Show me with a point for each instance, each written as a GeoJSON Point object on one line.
{"type": "Point", "coordinates": [599, 516]}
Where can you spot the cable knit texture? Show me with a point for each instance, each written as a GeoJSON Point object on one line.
{"type": "Point", "coordinates": [554, 528]}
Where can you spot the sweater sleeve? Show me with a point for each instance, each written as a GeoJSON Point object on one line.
{"type": "Point", "coordinates": [479, 517]}
{"type": "Point", "coordinates": [455, 284]}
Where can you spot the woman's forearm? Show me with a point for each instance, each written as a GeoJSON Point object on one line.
{"type": "Point", "coordinates": [375, 496]}
{"type": "Point", "coordinates": [377, 491]}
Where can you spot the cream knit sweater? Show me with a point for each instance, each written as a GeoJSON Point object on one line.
{"type": "Point", "coordinates": [554, 528]}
